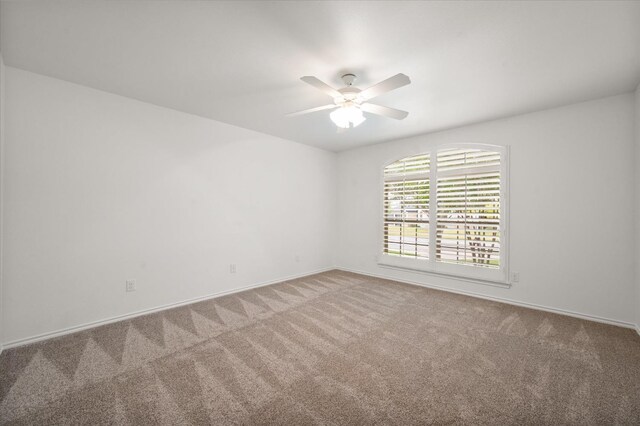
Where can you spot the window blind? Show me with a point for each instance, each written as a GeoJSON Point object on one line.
{"type": "Point", "coordinates": [406, 207]}
{"type": "Point", "coordinates": [468, 208]}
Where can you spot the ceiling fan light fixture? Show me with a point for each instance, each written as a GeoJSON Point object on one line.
{"type": "Point", "coordinates": [347, 116]}
{"type": "Point", "coordinates": [339, 119]}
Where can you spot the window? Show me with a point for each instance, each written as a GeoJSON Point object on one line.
{"type": "Point", "coordinates": [406, 207]}
{"type": "Point", "coordinates": [445, 211]}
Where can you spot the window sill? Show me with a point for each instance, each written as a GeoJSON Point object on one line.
{"type": "Point", "coordinates": [493, 283]}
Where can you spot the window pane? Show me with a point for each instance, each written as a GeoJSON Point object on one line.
{"type": "Point", "coordinates": [468, 208]}
{"type": "Point", "coordinates": [406, 208]}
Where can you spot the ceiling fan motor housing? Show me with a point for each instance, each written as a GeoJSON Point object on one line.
{"type": "Point", "coordinates": [349, 93]}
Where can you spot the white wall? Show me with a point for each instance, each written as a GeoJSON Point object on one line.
{"type": "Point", "coordinates": [637, 208]}
{"type": "Point", "coordinates": [101, 188]}
{"type": "Point", "coordinates": [572, 204]}
{"type": "Point", "coordinates": [1, 196]}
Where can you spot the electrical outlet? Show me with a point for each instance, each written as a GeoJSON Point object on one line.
{"type": "Point", "coordinates": [131, 285]}
{"type": "Point", "coordinates": [515, 277]}
{"type": "Point", "coordinates": [232, 268]}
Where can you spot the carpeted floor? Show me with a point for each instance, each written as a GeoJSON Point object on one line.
{"type": "Point", "coordinates": [333, 348]}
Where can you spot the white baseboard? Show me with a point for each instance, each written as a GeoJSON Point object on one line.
{"type": "Point", "coordinates": [638, 329]}
{"type": "Point", "coordinates": [69, 330]}
{"type": "Point", "coordinates": [503, 300]}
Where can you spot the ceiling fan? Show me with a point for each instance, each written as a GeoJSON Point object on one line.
{"type": "Point", "coordinates": [351, 101]}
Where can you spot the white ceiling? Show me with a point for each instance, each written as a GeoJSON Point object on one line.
{"type": "Point", "coordinates": [240, 62]}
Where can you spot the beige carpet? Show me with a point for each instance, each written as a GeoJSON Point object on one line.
{"type": "Point", "coordinates": [334, 348]}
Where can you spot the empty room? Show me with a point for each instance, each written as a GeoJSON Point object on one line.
{"type": "Point", "coordinates": [319, 212]}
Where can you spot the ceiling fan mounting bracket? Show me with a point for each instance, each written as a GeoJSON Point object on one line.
{"type": "Point", "coordinates": [348, 79]}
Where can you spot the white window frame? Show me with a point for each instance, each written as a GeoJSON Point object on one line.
{"type": "Point", "coordinates": [496, 276]}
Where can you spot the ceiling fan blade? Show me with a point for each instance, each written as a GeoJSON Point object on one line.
{"type": "Point", "coordinates": [385, 111]}
{"type": "Point", "coordinates": [385, 86]}
{"type": "Point", "coordinates": [321, 85]}
{"type": "Point", "coordinates": [307, 111]}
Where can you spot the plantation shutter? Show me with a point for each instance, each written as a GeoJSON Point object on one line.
{"type": "Point", "coordinates": [406, 207]}
{"type": "Point", "coordinates": [468, 207]}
